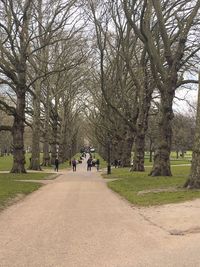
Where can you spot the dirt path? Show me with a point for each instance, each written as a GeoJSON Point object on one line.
{"type": "Point", "coordinates": [76, 221]}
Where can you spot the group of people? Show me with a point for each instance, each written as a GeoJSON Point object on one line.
{"type": "Point", "coordinates": [117, 163]}
{"type": "Point", "coordinates": [90, 163]}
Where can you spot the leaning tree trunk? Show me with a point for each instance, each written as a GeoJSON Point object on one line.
{"type": "Point", "coordinates": [117, 149]}
{"type": "Point", "coordinates": [194, 178]}
{"type": "Point", "coordinates": [144, 104]}
{"type": "Point", "coordinates": [161, 165]}
{"type": "Point", "coordinates": [127, 149]}
{"type": "Point", "coordinates": [138, 160]}
{"type": "Point", "coordinates": [18, 135]}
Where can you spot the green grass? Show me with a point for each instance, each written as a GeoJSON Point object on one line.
{"type": "Point", "coordinates": [129, 184]}
{"type": "Point", "coordinates": [28, 176]}
{"type": "Point", "coordinates": [10, 187]}
{"type": "Point", "coordinates": [173, 162]}
{"type": "Point", "coordinates": [7, 161]}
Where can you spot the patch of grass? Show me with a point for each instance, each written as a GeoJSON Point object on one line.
{"type": "Point", "coordinates": [7, 161]}
{"type": "Point", "coordinates": [28, 176]}
{"type": "Point", "coordinates": [173, 162]}
{"type": "Point", "coordinates": [64, 165]}
{"type": "Point", "coordinates": [10, 187]}
{"type": "Point", "coordinates": [129, 184]}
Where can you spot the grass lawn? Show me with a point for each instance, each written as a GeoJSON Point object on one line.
{"type": "Point", "coordinates": [7, 161]}
{"type": "Point", "coordinates": [10, 188]}
{"type": "Point", "coordinates": [141, 189]}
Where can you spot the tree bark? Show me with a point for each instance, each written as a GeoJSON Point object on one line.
{"type": "Point", "coordinates": [46, 155]}
{"type": "Point", "coordinates": [194, 178]}
{"type": "Point", "coordinates": [161, 165]}
{"type": "Point", "coordinates": [127, 149]}
{"type": "Point", "coordinates": [53, 153]}
{"type": "Point", "coordinates": [63, 135]}
{"type": "Point", "coordinates": [35, 157]}
{"type": "Point", "coordinates": [54, 142]}
{"type": "Point", "coordinates": [18, 135]}
{"type": "Point", "coordinates": [138, 161]}
{"type": "Point", "coordinates": [150, 150]}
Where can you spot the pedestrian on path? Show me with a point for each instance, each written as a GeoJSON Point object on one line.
{"type": "Point", "coordinates": [74, 165]}
{"type": "Point", "coordinates": [97, 164]}
{"type": "Point", "coordinates": [56, 164]}
{"type": "Point", "coordinates": [89, 164]}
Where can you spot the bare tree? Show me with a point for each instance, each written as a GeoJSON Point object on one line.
{"type": "Point", "coordinates": [20, 42]}
{"type": "Point", "coordinates": [166, 28]}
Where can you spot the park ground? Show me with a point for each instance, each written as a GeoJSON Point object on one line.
{"type": "Point", "coordinates": [75, 220]}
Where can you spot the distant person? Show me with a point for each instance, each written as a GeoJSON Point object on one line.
{"type": "Point", "coordinates": [115, 163]}
{"type": "Point", "coordinates": [74, 164]}
{"type": "Point", "coordinates": [89, 164]}
{"type": "Point", "coordinates": [56, 164]}
{"type": "Point", "coordinates": [93, 163]}
{"type": "Point", "coordinates": [97, 164]}
{"type": "Point", "coordinates": [119, 163]}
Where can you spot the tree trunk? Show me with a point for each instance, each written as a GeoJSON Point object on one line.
{"type": "Point", "coordinates": [194, 178]}
{"type": "Point", "coordinates": [53, 153]}
{"type": "Point", "coordinates": [127, 149]}
{"type": "Point", "coordinates": [150, 150]}
{"type": "Point", "coordinates": [46, 155]}
{"type": "Point", "coordinates": [18, 136]}
{"type": "Point", "coordinates": [161, 165]}
{"type": "Point", "coordinates": [35, 157]}
{"type": "Point", "coordinates": [63, 135]}
{"type": "Point", "coordinates": [54, 132]}
{"type": "Point", "coordinates": [144, 97]}
{"type": "Point", "coordinates": [54, 142]}
{"type": "Point", "coordinates": [117, 148]}
{"type": "Point", "coordinates": [138, 161]}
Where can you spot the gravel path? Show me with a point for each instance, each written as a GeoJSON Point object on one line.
{"type": "Point", "coordinates": [76, 221]}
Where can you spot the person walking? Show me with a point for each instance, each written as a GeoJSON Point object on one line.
{"type": "Point", "coordinates": [74, 164]}
{"type": "Point", "coordinates": [89, 164]}
{"type": "Point", "coordinates": [56, 164]}
{"type": "Point", "coordinates": [97, 164]}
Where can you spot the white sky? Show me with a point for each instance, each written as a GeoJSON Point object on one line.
{"type": "Point", "coordinates": [186, 99]}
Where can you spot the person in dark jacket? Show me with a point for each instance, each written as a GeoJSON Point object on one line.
{"type": "Point", "coordinates": [56, 164]}
{"type": "Point", "coordinates": [89, 164]}
{"type": "Point", "coordinates": [74, 164]}
{"type": "Point", "coordinates": [97, 164]}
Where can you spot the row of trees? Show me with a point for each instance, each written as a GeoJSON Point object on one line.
{"type": "Point", "coordinates": [42, 52]}
{"type": "Point", "coordinates": [121, 60]}
{"type": "Point", "coordinates": [145, 51]}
